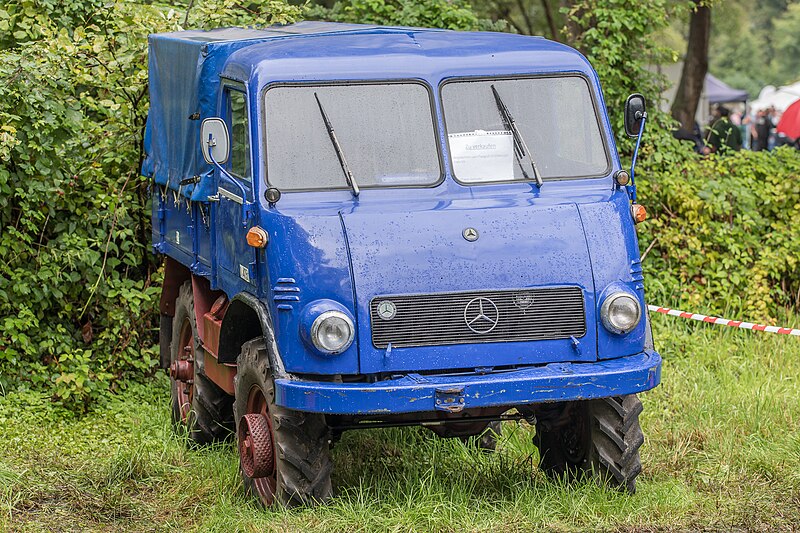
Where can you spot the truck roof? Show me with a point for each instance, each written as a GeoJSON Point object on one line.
{"type": "Point", "coordinates": [391, 52]}
{"type": "Point", "coordinates": [185, 69]}
{"type": "Point", "coordinates": [309, 27]}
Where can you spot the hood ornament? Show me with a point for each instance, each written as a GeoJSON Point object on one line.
{"type": "Point", "coordinates": [471, 234]}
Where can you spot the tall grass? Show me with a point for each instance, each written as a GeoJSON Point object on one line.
{"type": "Point", "coordinates": [722, 452]}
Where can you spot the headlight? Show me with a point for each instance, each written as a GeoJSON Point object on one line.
{"type": "Point", "coordinates": [620, 312]}
{"type": "Point", "coordinates": [332, 332]}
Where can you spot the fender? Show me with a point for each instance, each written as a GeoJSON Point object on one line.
{"type": "Point", "coordinates": [246, 318]}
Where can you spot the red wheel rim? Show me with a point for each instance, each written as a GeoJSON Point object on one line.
{"type": "Point", "coordinates": [255, 446]}
{"type": "Point", "coordinates": [263, 486]}
{"type": "Point", "coordinates": [184, 389]}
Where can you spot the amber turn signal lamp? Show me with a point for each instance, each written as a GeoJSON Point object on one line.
{"type": "Point", "coordinates": [639, 213]}
{"type": "Point", "coordinates": [622, 177]}
{"type": "Point", "coordinates": [257, 237]}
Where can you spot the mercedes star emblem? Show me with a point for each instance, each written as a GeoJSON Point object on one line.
{"type": "Point", "coordinates": [387, 310]}
{"type": "Point", "coordinates": [481, 315]}
{"type": "Point", "coordinates": [471, 234]}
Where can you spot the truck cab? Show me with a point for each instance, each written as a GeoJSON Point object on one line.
{"type": "Point", "coordinates": [370, 226]}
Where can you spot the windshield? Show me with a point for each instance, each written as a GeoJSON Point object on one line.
{"type": "Point", "coordinates": [384, 132]}
{"type": "Point", "coordinates": [555, 117]}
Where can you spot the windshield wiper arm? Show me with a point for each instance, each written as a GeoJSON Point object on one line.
{"type": "Point", "coordinates": [520, 148]}
{"type": "Point", "coordinates": [351, 181]}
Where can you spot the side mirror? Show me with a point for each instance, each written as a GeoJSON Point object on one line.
{"type": "Point", "coordinates": [214, 141]}
{"type": "Point", "coordinates": [634, 113]}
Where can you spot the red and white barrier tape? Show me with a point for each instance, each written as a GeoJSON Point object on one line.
{"type": "Point", "coordinates": [724, 321]}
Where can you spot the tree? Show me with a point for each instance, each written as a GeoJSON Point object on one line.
{"type": "Point", "coordinates": [695, 66]}
{"type": "Point", "coordinates": [528, 17]}
{"type": "Point", "coordinates": [786, 62]}
{"type": "Point", "coordinates": [450, 14]}
{"type": "Point", "coordinates": [616, 37]}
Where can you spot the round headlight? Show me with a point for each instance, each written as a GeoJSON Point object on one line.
{"type": "Point", "coordinates": [332, 332]}
{"type": "Point", "coordinates": [620, 312]}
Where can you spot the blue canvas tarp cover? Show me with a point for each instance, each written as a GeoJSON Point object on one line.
{"type": "Point", "coordinates": [184, 70]}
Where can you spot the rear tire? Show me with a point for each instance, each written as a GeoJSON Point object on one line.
{"type": "Point", "coordinates": [595, 437]}
{"type": "Point", "coordinates": [295, 459]}
{"type": "Point", "coordinates": [200, 409]}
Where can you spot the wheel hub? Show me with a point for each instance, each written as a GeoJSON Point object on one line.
{"type": "Point", "coordinates": [182, 370]}
{"type": "Point", "coordinates": [255, 446]}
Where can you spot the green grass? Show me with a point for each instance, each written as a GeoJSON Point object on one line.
{"type": "Point", "coordinates": [722, 452]}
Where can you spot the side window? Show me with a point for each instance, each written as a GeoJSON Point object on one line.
{"type": "Point", "coordinates": [240, 136]}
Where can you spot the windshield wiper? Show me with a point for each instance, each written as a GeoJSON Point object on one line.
{"type": "Point", "coordinates": [520, 148]}
{"type": "Point", "coordinates": [351, 181]}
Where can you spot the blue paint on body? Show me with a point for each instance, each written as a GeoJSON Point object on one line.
{"type": "Point", "coordinates": [547, 383]}
{"type": "Point", "coordinates": [328, 245]}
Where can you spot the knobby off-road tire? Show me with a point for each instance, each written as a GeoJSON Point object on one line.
{"type": "Point", "coordinates": [204, 412]}
{"type": "Point", "coordinates": [300, 442]}
{"type": "Point", "coordinates": [594, 437]}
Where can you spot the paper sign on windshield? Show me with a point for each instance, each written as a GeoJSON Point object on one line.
{"type": "Point", "coordinates": [483, 155]}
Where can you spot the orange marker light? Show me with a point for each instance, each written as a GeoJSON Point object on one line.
{"type": "Point", "coordinates": [639, 213]}
{"type": "Point", "coordinates": [257, 237]}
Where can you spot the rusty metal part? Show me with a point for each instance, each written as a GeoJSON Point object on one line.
{"type": "Point", "coordinates": [222, 374]}
{"type": "Point", "coordinates": [255, 446]}
{"type": "Point", "coordinates": [184, 367]}
{"type": "Point", "coordinates": [182, 370]}
{"type": "Point", "coordinates": [219, 307]}
{"type": "Point", "coordinates": [204, 300]}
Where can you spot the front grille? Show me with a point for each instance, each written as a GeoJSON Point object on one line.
{"type": "Point", "coordinates": [508, 316]}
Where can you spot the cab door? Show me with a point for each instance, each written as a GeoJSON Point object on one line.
{"type": "Point", "coordinates": [234, 257]}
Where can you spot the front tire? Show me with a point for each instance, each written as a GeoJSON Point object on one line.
{"type": "Point", "coordinates": [600, 438]}
{"type": "Point", "coordinates": [284, 454]}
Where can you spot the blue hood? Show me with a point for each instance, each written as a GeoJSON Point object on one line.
{"type": "Point", "coordinates": [424, 252]}
{"type": "Point", "coordinates": [386, 249]}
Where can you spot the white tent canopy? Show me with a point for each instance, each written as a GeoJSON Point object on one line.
{"type": "Point", "coordinates": [780, 98]}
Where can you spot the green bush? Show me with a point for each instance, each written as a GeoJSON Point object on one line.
{"type": "Point", "coordinates": [78, 285]}
{"type": "Point", "coordinates": [722, 231]}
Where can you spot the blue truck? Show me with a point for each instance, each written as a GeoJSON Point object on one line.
{"type": "Point", "coordinates": [368, 226]}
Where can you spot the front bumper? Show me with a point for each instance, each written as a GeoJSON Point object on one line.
{"type": "Point", "coordinates": [453, 393]}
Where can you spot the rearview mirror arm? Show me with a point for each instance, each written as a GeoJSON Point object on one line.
{"type": "Point", "coordinates": [632, 189]}
{"type": "Point", "coordinates": [247, 206]}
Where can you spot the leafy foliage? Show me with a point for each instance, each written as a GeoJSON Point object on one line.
{"type": "Point", "coordinates": [754, 44]}
{"type": "Point", "coordinates": [449, 14]}
{"type": "Point", "coordinates": [723, 231]}
{"type": "Point", "coordinates": [616, 37]}
{"type": "Point", "coordinates": [78, 286]}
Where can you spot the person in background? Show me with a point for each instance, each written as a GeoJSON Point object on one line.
{"type": "Point", "coordinates": [772, 120]}
{"type": "Point", "coordinates": [761, 128]}
{"type": "Point", "coordinates": [723, 135]}
{"type": "Point", "coordinates": [747, 131]}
